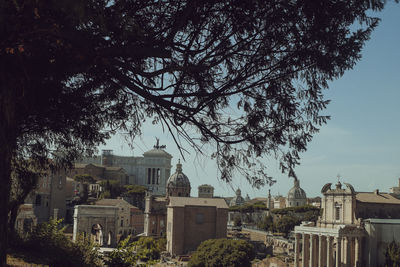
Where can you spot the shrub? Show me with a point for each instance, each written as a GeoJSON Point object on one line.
{"type": "Point", "coordinates": [392, 255]}
{"type": "Point", "coordinates": [48, 242]}
{"type": "Point", "coordinates": [128, 252]}
{"type": "Point", "coordinates": [223, 252]}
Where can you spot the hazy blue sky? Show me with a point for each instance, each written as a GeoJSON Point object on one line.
{"type": "Point", "coordinates": [361, 142]}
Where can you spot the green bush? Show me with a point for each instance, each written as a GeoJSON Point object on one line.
{"type": "Point", "coordinates": [223, 252]}
{"type": "Point", "coordinates": [266, 224]}
{"type": "Point", "coordinates": [285, 224]}
{"type": "Point", "coordinates": [249, 207]}
{"type": "Point", "coordinates": [129, 252]}
{"type": "Point", "coordinates": [392, 255]}
{"type": "Point", "coordinates": [48, 242]}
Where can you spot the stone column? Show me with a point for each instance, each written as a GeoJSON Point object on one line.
{"type": "Point", "coordinates": [338, 251]}
{"type": "Point", "coordinates": [357, 251]}
{"type": "Point", "coordinates": [313, 251]}
{"type": "Point", "coordinates": [322, 251]}
{"type": "Point", "coordinates": [297, 251]}
{"type": "Point", "coordinates": [329, 252]}
{"type": "Point", "coordinates": [305, 251]}
{"type": "Point", "coordinates": [346, 251]}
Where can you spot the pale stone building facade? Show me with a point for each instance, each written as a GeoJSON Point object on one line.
{"type": "Point", "coordinates": [99, 223]}
{"type": "Point", "coordinates": [354, 229]}
{"type": "Point", "coordinates": [206, 190]}
{"type": "Point", "coordinates": [152, 170]}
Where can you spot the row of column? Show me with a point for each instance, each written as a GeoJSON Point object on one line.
{"type": "Point", "coordinates": [327, 251]}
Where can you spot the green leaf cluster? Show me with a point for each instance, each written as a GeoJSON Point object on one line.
{"type": "Point", "coordinates": [134, 189]}
{"type": "Point", "coordinates": [392, 255]}
{"type": "Point", "coordinates": [291, 210]}
{"type": "Point", "coordinates": [128, 252]}
{"type": "Point", "coordinates": [48, 242]}
{"type": "Point", "coordinates": [223, 252]}
{"type": "Point", "coordinates": [249, 207]}
{"type": "Point", "coordinates": [84, 178]}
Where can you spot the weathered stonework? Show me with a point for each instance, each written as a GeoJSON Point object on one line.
{"type": "Point", "coordinates": [88, 216]}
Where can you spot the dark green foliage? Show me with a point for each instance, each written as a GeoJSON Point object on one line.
{"type": "Point", "coordinates": [111, 189]}
{"type": "Point", "coordinates": [249, 207]}
{"type": "Point", "coordinates": [84, 179]}
{"type": "Point", "coordinates": [392, 255]}
{"type": "Point", "coordinates": [266, 224]}
{"type": "Point", "coordinates": [134, 189]}
{"type": "Point", "coordinates": [48, 243]}
{"type": "Point", "coordinates": [286, 223]}
{"type": "Point", "coordinates": [72, 72]}
{"type": "Point", "coordinates": [223, 252]}
{"type": "Point", "coordinates": [129, 252]}
{"type": "Point", "coordinates": [287, 218]}
{"type": "Point", "coordinates": [301, 209]}
{"type": "Point", "coordinates": [237, 221]}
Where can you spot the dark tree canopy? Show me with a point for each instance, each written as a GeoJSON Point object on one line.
{"type": "Point", "coordinates": [245, 77]}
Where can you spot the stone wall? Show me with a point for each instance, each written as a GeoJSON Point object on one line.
{"type": "Point", "coordinates": [85, 216]}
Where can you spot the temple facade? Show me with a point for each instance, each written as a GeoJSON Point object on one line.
{"type": "Point", "coordinates": [354, 229]}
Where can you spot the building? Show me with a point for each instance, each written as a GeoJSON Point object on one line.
{"type": "Point", "coordinates": [279, 202]}
{"type": "Point", "coordinates": [296, 196]}
{"type": "Point", "coordinates": [178, 185]}
{"type": "Point", "coordinates": [99, 223]}
{"type": "Point", "coordinates": [26, 219]}
{"type": "Point", "coordinates": [101, 172]}
{"type": "Point", "coordinates": [237, 200]}
{"type": "Point", "coordinates": [354, 229]}
{"type": "Point", "coordinates": [191, 221]}
{"type": "Point", "coordinates": [152, 170]}
{"type": "Point", "coordinates": [206, 191]}
{"type": "Point", "coordinates": [49, 198]}
{"type": "Point", "coordinates": [124, 217]}
{"type": "Point", "coordinates": [155, 215]}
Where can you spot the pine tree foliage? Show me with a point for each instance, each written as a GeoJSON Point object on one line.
{"type": "Point", "coordinates": [244, 77]}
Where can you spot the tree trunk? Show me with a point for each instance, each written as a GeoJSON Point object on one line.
{"type": "Point", "coordinates": [5, 171]}
{"type": "Point", "coordinates": [7, 148]}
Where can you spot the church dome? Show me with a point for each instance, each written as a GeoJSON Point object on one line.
{"type": "Point", "coordinates": [296, 195]}
{"type": "Point", "coordinates": [178, 184]}
{"type": "Point", "coordinates": [237, 200]}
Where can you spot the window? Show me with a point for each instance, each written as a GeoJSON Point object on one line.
{"type": "Point", "coordinates": [337, 211]}
{"type": "Point", "coordinates": [148, 175]}
{"type": "Point", "coordinates": [38, 200]}
{"type": "Point", "coordinates": [153, 180]}
{"type": "Point", "coordinates": [122, 223]}
{"type": "Point", "coordinates": [199, 218]}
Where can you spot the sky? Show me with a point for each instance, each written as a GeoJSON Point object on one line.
{"type": "Point", "coordinates": [360, 144]}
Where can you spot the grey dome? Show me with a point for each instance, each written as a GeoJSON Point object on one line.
{"type": "Point", "coordinates": [178, 179]}
{"type": "Point", "coordinates": [296, 192]}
